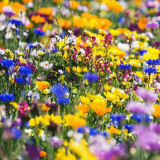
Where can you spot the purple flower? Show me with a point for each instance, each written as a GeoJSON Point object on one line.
{"type": "Point", "coordinates": [91, 77]}
{"type": "Point", "coordinates": [9, 13]}
{"type": "Point", "coordinates": [133, 27]}
{"type": "Point", "coordinates": [156, 44]}
{"type": "Point", "coordinates": [32, 151]}
{"type": "Point", "coordinates": [32, 67]}
{"type": "Point", "coordinates": [55, 141]}
{"type": "Point", "coordinates": [153, 25]}
{"type": "Point", "coordinates": [103, 150]}
{"type": "Point", "coordinates": [137, 107]}
{"type": "Point", "coordinates": [147, 95]}
{"type": "Point", "coordinates": [147, 139]}
{"type": "Point", "coordinates": [155, 127]}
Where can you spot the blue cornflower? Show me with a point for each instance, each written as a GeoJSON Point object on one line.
{"type": "Point", "coordinates": [59, 90]}
{"type": "Point", "coordinates": [105, 134]}
{"type": "Point", "coordinates": [6, 97]}
{"type": "Point", "coordinates": [81, 129]}
{"type": "Point", "coordinates": [62, 100]}
{"type": "Point", "coordinates": [91, 77]}
{"type": "Point", "coordinates": [62, 34]}
{"type": "Point", "coordinates": [140, 117]}
{"type": "Point", "coordinates": [93, 132]}
{"type": "Point", "coordinates": [25, 70]}
{"type": "Point", "coordinates": [38, 32]}
{"type": "Point", "coordinates": [129, 127]}
{"type": "Point", "coordinates": [150, 70]}
{"type": "Point", "coordinates": [20, 80]}
{"type": "Point", "coordinates": [153, 62]}
{"type": "Point", "coordinates": [121, 20]}
{"type": "Point", "coordinates": [30, 45]}
{"type": "Point", "coordinates": [117, 117]}
{"type": "Point", "coordinates": [124, 66]}
{"type": "Point", "coordinates": [16, 133]}
{"type": "Point", "coordinates": [54, 50]}
{"type": "Point", "coordinates": [7, 63]}
{"type": "Point", "coordinates": [142, 52]}
{"type": "Point", "coordinates": [16, 22]}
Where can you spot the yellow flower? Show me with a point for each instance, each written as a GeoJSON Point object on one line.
{"type": "Point", "coordinates": [113, 130]}
{"type": "Point", "coordinates": [135, 62]}
{"type": "Point", "coordinates": [74, 121]}
{"type": "Point", "coordinates": [11, 55]}
{"type": "Point", "coordinates": [99, 106]}
{"type": "Point", "coordinates": [46, 91]}
{"type": "Point", "coordinates": [14, 104]}
{"type": "Point", "coordinates": [145, 79]}
{"type": "Point", "coordinates": [60, 154]}
{"type": "Point", "coordinates": [130, 34]}
{"type": "Point", "coordinates": [139, 74]}
{"type": "Point", "coordinates": [116, 52]}
{"type": "Point", "coordinates": [109, 96]}
{"type": "Point", "coordinates": [65, 143]}
{"type": "Point", "coordinates": [41, 53]}
{"type": "Point", "coordinates": [113, 75]}
{"type": "Point", "coordinates": [153, 53]}
{"type": "Point", "coordinates": [42, 85]}
{"type": "Point", "coordinates": [115, 32]}
{"type": "Point", "coordinates": [81, 149]}
{"type": "Point", "coordinates": [84, 100]}
{"type": "Point", "coordinates": [107, 87]}
{"type": "Point", "coordinates": [56, 119]}
{"type": "Point", "coordinates": [32, 122]}
{"type": "Point", "coordinates": [21, 54]}
{"type": "Point", "coordinates": [22, 60]}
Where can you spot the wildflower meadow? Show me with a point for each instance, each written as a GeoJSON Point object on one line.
{"type": "Point", "coordinates": [79, 79]}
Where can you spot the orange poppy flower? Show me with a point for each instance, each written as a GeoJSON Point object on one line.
{"type": "Point", "coordinates": [17, 7]}
{"type": "Point", "coordinates": [74, 4]}
{"type": "Point", "coordinates": [83, 107]}
{"type": "Point", "coordinates": [45, 108]}
{"type": "Point", "coordinates": [100, 107]}
{"type": "Point", "coordinates": [45, 11]}
{"type": "Point", "coordinates": [142, 23]}
{"type": "Point", "coordinates": [156, 110]}
{"type": "Point", "coordinates": [38, 19]}
{"type": "Point", "coordinates": [64, 23]}
{"type": "Point", "coordinates": [30, 25]}
{"type": "Point", "coordinates": [74, 121]}
{"type": "Point", "coordinates": [113, 130]}
{"type": "Point", "coordinates": [42, 84]}
{"type": "Point", "coordinates": [27, 1]}
{"type": "Point", "coordinates": [42, 154]}
{"type": "Point", "coordinates": [58, 1]}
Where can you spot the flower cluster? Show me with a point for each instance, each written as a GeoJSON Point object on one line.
{"type": "Point", "coordinates": [79, 80]}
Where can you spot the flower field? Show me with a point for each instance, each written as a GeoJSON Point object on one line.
{"type": "Point", "coordinates": [80, 80]}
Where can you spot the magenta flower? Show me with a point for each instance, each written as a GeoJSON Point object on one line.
{"type": "Point", "coordinates": [153, 25]}
{"type": "Point", "coordinates": [137, 107]}
{"type": "Point", "coordinates": [147, 95]}
{"type": "Point", "coordinates": [147, 139]}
